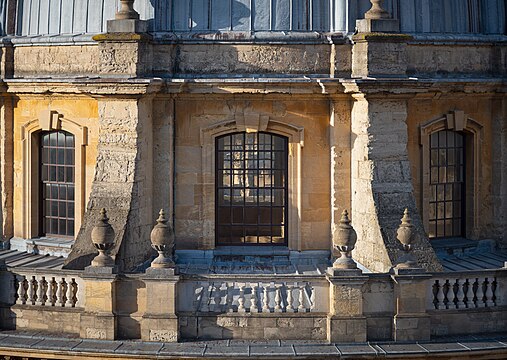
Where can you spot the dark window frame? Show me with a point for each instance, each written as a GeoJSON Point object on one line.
{"type": "Point", "coordinates": [57, 184]}
{"type": "Point", "coordinates": [221, 171]}
{"type": "Point", "coordinates": [448, 185]}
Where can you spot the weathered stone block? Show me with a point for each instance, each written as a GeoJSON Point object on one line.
{"type": "Point", "coordinates": [346, 329]}
{"type": "Point", "coordinates": [411, 328]}
{"type": "Point", "coordinates": [160, 328]}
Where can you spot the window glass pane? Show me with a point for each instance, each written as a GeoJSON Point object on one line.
{"type": "Point", "coordinates": [62, 192]}
{"type": "Point", "coordinates": [52, 173]}
{"type": "Point", "coordinates": [70, 210]}
{"type": "Point", "coordinates": [265, 215]}
{"type": "Point", "coordinates": [70, 141]}
{"type": "Point", "coordinates": [54, 226]}
{"type": "Point", "coordinates": [52, 139]}
{"type": "Point", "coordinates": [237, 215]}
{"type": "Point", "coordinates": [70, 228]}
{"type": "Point", "coordinates": [62, 227]}
{"type": "Point", "coordinates": [62, 209]}
{"type": "Point", "coordinates": [61, 174]}
{"type": "Point", "coordinates": [60, 139]}
{"type": "Point", "coordinates": [69, 174]}
{"type": "Point", "coordinates": [251, 215]}
{"type": "Point", "coordinates": [52, 156]}
{"type": "Point", "coordinates": [69, 157]}
{"type": "Point", "coordinates": [70, 192]}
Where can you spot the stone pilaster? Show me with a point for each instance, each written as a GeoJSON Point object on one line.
{"type": "Point", "coordinates": [123, 183]}
{"type": "Point", "coordinates": [160, 322]}
{"type": "Point", "coordinates": [6, 167]}
{"type": "Point", "coordinates": [98, 321]}
{"type": "Point", "coordinates": [339, 141]}
{"type": "Point", "coordinates": [346, 321]}
{"type": "Point", "coordinates": [411, 322]}
{"type": "Point", "coordinates": [382, 184]}
{"type": "Point", "coordinates": [499, 168]}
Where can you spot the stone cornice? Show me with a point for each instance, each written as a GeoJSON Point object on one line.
{"type": "Point", "coordinates": [294, 86]}
{"type": "Point", "coordinates": [88, 86]}
{"type": "Point", "coordinates": [410, 87]}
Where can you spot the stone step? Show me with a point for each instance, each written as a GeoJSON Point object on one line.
{"type": "Point", "coordinates": [267, 260]}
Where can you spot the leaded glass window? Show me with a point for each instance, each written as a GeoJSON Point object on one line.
{"type": "Point", "coordinates": [251, 189]}
{"type": "Point", "coordinates": [57, 159]}
{"type": "Point", "coordinates": [447, 182]}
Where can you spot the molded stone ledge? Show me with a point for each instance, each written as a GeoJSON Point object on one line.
{"type": "Point", "coordinates": [121, 37]}
{"type": "Point", "coordinates": [381, 37]}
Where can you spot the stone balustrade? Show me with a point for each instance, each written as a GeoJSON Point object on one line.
{"type": "Point", "coordinates": [58, 289]}
{"type": "Point", "coordinates": [465, 290]}
{"type": "Point", "coordinates": [253, 296]}
{"type": "Point", "coordinates": [260, 306]}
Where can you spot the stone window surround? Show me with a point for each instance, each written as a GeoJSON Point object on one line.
{"type": "Point", "coordinates": [455, 120]}
{"type": "Point", "coordinates": [255, 123]}
{"type": "Point", "coordinates": [49, 120]}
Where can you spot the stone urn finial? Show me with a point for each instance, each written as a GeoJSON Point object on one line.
{"type": "Point", "coordinates": [126, 11]}
{"type": "Point", "coordinates": [376, 11]}
{"type": "Point", "coordinates": [103, 240]}
{"type": "Point", "coordinates": [162, 240]}
{"type": "Point", "coordinates": [344, 242]}
{"type": "Point", "coordinates": [406, 236]}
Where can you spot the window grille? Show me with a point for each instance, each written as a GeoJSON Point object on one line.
{"type": "Point", "coordinates": [251, 189]}
{"type": "Point", "coordinates": [447, 182]}
{"type": "Point", "coordinates": [57, 155]}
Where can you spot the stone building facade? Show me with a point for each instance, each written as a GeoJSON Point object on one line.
{"type": "Point", "coordinates": [253, 127]}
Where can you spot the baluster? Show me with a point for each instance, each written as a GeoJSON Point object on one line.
{"type": "Point", "coordinates": [301, 307]}
{"type": "Point", "coordinates": [22, 287]}
{"type": "Point", "coordinates": [440, 295]}
{"type": "Point", "coordinates": [312, 298]}
{"type": "Point", "coordinates": [32, 288]}
{"type": "Point", "coordinates": [480, 292]}
{"type": "Point", "coordinates": [290, 300]}
{"type": "Point", "coordinates": [460, 294]}
{"type": "Point", "coordinates": [41, 291]}
{"type": "Point", "coordinates": [449, 295]}
{"type": "Point", "coordinates": [76, 289]}
{"type": "Point", "coordinates": [70, 293]}
{"type": "Point", "coordinates": [470, 294]}
{"type": "Point", "coordinates": [217, 297]}
{"type": "Point", "coordinates": [60, 292]}
{"type": "Point", "coordinates": [265, 299]}
{"type": "Point", "coordinates": [253, 299]}
{"type": "Point", "coordinates": [229, 297]}
{"type": "Point", "coordinates": [278, 299]}
{"type": "Point", "coordinates": [489, 292]}
{"type": "Point", "coordinates": [241, 299]}
{"type": "Point", "coordinates": [51, 292]}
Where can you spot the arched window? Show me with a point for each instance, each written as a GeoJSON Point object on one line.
{"type": "Point", "coordinates": [447, 182]}
{"type": "Point", "coordinates": [57, 181]}
{"type": "Point", "coordinates": [251, 189]}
